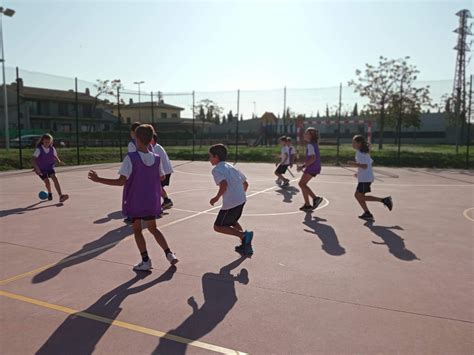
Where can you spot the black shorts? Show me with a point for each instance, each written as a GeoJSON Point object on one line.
{"type": "Point", "coordinates": [281, 169]}
{"type": "Point", "coordinates": [227, 218]}
{"type": "Point", "coordinates": [363, 187]}
{"type": "Point", "coordinates": [166, 181]}
{"type": "Point", "coordinates": [47, 173]}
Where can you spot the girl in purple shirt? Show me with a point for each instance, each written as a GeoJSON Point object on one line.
{"type": "Point", "coordinates": [43, 161]}
{"type": "Point", "coordinates": [140, 175]}
{"type": "Point", "coordinates": [312, 167]}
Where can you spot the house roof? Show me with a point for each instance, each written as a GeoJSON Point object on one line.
{"type": "Point", "coordinates": [30, 92]}
{"type": "Point", "coordinates": [158, 105]}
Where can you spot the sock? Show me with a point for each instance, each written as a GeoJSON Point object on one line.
{"type": "Point", "coordinates": [167, 251]}
{"type": "Point", "coordinates": [145, 257]}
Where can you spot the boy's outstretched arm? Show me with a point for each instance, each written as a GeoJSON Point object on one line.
{"type": "Point", "coordinates": [246, 185]}
{"type": "Point", "coordinates": [113, 182]}
{"type": "Point", "coordinates": [222, 189]}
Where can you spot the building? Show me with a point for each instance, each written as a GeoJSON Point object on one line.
{"type": "Point", "coordinates": [48, 110]}
{"type": "Point", "coordinates": [144, 112]}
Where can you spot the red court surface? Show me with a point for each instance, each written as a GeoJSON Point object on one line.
{"type": "Point", "coordinates": [321, 282]}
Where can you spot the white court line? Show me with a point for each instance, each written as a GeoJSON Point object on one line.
{"type": "Point", "coordinates": [466, 213]}
{"type": "Point", "coordinates": [326, 203]}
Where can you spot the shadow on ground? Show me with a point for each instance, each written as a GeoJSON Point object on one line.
{"type": "Point", "coordinates": [395, 243]}
{"type": "Point", "coordinates": [81, 332]}
{"type": "Point", "coordinates": [219, 298]}
{"type": "Point", "coordinates": [91, 250]}
{"type": "Point", "coordinates": [326, 233]}
{"type": "Point", "coordinates": [33, 207]}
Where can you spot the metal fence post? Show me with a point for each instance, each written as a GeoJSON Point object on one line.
{"type": "Point", "coordinates": [119, 123]}
{"type": "Point", "coordinates": [339, 124]}
{"type": "Point", "coordinates": [76, 109]}
{"type": "Point", "coordinates": [152, 112]}
{"type": "Point", "coordinates": [468, 143]}
{"type": "Point", "coordinates": [399, 125]}
{"type": "Point", "coordinates": [237, 128]}
{"type": "Point", "coordinates": [19, 115]}
{"type": "Point", "coordinates": [194, 120]}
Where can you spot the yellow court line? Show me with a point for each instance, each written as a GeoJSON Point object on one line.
{"type": "Point", "coordinates": [35, 271]}
{"type": "Point", "coordinates": [465, 213]}
{"type": "Point", "coordinates": [121, 324]}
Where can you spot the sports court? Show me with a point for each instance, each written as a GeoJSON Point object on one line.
{"type": "Point", "coordinates": [321, 282]}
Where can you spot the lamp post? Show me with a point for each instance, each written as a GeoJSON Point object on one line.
{"type": "Point", "coordinates": [139, 108]}
{"type": "Point", "coordinates": [9, 13]}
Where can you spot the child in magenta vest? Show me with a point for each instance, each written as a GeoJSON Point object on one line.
{"type": "Point", "coordinates": [43, 161]}
{"type": "Point", "coordinates": [140, 174]}
{"type": "Point", "coordinates": [312, 167]}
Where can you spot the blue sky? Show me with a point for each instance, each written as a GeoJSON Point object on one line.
{"type": "Point", "coordinates": [225, 45]}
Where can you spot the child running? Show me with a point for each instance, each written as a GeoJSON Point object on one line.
{"type": "Point", "coordinates": [282, 166]}
{"type": "Point", "coordinates": [43, 161]}
{"type": "Point", "coordinates": [232, 187]}
{"type": "Point", "coordinates": [365, 177]}
{"type": "Point", "coordinates": [312, 167]}
{"type": "Point", "coordinates": [140, 175]}
{"type": "Point", "coordinates": [291, 151]}
{"type": "Point", "coordinates": [167, 168]}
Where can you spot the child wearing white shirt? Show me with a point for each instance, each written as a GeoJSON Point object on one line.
{"type": "Point", "coordinates": [365, 177]}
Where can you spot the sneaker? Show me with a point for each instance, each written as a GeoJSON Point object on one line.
{"type": "Point", "coordinates": [128, 220]}
{"type": "Point", "coordinates": [240, 248]}
{"type": "Point", "coordinates": [286, 183]}
{"type": "Point", "coordinates": [248, 250]}
{"type": "Point", "coordinates": [143, 266]}
{"type": "Point", "coordinates": [248, 236]}
{"type": "Point", "coordinates": [172, 258]}
{"type": "Point", "coordinates": [50, 196]}
{"type": "Point", "coordinates": [306, 208]}
{"type": "Point", "coordinates": [387, 201]}
{"type": "Point", "coordinates": [278, 181]}
{"type": "Point", "coordinates": [317, 201]}
{"type": "Point", "coordinates": [367, 216]}
{"type": "Point", "coordinates": [167, 203]}
{"type": "Point", "coordinates": [63, 198]}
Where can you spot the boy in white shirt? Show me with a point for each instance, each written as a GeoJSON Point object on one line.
{"type": "Point", "coordinates": [232, 187]}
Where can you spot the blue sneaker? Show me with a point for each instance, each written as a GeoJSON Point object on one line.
{"type": "Point", "coordinates": [248, 236]}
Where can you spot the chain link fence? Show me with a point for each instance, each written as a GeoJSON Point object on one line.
{"type": "Point", "coordinates": [90, 122]}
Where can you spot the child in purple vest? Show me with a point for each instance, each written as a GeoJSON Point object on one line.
{"type": "Point", "coordinates": [312, 167]}
{"type": "Point", "coordinates": [43, 161]}
{"type": "Point", "coordinates": [140, 175]}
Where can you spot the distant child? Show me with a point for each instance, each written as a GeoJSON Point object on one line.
{"type": "Point", "coordinates": [283, 163]}
{"type": "Point", "coordinates": [291, 151]}
{"type": "Point", "coordinates": [167, 168]}
{"type": "Point", "coordinates": [365, 177]}
{"type": "Point", "coordinates": [312, 167]}
{"type": "Point", "coordinates": [140, 175]}
{"type": "Point", "coordinates": [232, 187]}
{"type": "Point", "coordinates": [132, 145]}
{"type": "Point", "coordinates": [43, 161]}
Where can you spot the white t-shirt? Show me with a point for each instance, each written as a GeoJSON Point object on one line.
{"type": "Point", "coordinates": [165, 161]}
{"type": "Point", "coordinates": [235, 193]}
{"type": "Point", "coordinates": [285, 161]}
{"type": "Point", "coordinates": [131, 147]}
{"type": "Point", "coordinates": [364, 175]}
{"type": "Point", "coordinates": [147, 158]}
{"type": "Point", "coordinates": [310, 149]}
{"type": "Point", "coordinates": [37, 152]}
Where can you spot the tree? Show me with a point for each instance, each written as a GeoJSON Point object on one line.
{"type": "Point", "coordinates": [355, 111]}
{"type": "Point", "coordinates": [382, 85]}
{"type": "Point", "coordinates": [317, 114]}
{"type": "Point", "coordinates": [230, 117]}
{"type": "Point", "coordinates": [327, 111]}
